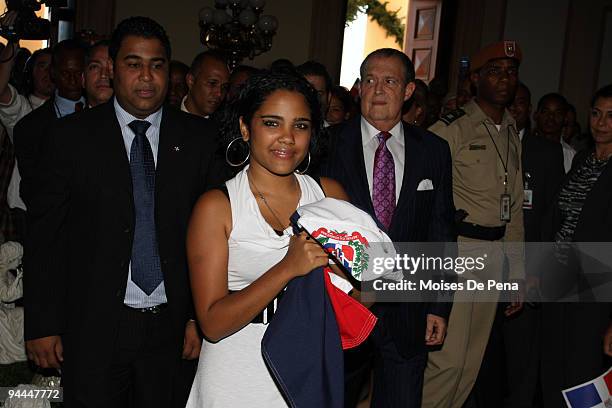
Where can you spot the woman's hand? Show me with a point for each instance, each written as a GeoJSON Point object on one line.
{"type": "Point", "coordinates": [303, 255]}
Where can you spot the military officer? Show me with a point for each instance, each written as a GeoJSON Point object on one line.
{"type": "Point", "coordinates": [488, 195]}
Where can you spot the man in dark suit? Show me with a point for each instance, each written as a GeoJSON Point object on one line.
{"type": "Point", "coordinates": [400, 175]}
{"type": "Point", "coordinates": [543, 173]}
{"type": "Point", "coordinates": [542, 167]}
{"type": "Point", "coordinates": [67, 64]}
{"type": "Point", "coordinates": [108, 297]}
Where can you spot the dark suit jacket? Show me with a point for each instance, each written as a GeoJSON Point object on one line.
{"type": "Point", "coordinates": [595, 221]}
{"type": "Point", "coordinates": [81, 228]}
{"type": "Point", "coordinates": [420, 216]}
{"type": "Point", "coordinates": [589, 318]}
{"type": "Point", "coordinates": [594, 226]}
{"type": "Point", "coordinates": [543, 173]}
{"type": "Point", "coordinates": [29, 136]}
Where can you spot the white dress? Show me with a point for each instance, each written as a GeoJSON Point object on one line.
{"type": "Point", "coordinates": [232, 372]}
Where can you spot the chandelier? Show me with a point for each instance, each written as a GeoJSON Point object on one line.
{"type": "Point", "coordinates": [237, 28]}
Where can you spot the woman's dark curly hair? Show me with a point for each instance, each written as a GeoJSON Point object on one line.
{"type": "Point", "coordinates": [604, 92]}
{"type": "Point", "coordinates": [252, 95]}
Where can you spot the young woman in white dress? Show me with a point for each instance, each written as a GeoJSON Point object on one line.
{"type": "Point", "coordinates": [240, 248]}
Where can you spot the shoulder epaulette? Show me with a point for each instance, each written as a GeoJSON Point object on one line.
{"type": "Point", "coordinates": [452, 116]}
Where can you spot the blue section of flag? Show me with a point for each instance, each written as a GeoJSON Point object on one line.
{"type": "Point", "coordinates": [584, 397]}
{"type": "Point", "coordinates": [302, 346]}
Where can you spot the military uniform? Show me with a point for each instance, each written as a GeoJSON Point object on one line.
{"type": "Point", "coordinates": [486, 165]}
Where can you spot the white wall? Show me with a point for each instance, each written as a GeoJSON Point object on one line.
{"type": "Point", "coordinates": [539, 28]}
{"type": "Point", "coordinates": [180, 19]}
{"type": "Point", "coordinates": [353, 49]}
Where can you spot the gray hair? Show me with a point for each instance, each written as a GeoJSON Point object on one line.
{"type": "Point", "coordinates": [407, 65]}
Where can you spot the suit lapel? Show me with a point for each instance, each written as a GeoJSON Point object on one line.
{"type": "Point", "coordinates": [169, 145]}
{"type": "Point", "coordinates": [168, 142]}
{"type": "Point", "coordinates": [49, 108]}
{"type": "Point", "coordinates": [413, 165]}
{"type": "Point", "coordinates": [354, 160]}
{"type": "Point", "coordinates": [110, 131]}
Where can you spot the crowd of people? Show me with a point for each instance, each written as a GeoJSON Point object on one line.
{"type": "Point", "coordinates": [154, 200]}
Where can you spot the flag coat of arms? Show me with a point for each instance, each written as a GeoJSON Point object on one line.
{"type": "Point", "coordinates": [593, 394]}
{"type": "Point", "coordinates": [349, 248]}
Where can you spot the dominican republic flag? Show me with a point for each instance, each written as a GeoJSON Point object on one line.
{"type": "Point", "coordinates": [593, 394]}
{"type": "Point", "coordinates": [316, 319]}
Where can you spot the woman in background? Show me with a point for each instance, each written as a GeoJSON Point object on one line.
{"type": "Point", "coordinates": [341, 106]}
{"type": "Point", "coordinates": [414, 110]}
{"type": "Point", "coordinates": [572, 333]}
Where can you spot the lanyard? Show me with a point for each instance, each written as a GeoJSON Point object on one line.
{"type": "Point", "coordinates": [505, 165]}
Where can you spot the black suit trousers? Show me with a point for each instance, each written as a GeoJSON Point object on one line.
{"type": "Point", "coordinates": [144, 363]}
{"type": "Point", "coordinates": [398, 381]}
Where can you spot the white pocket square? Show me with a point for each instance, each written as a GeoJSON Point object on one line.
{"type": "Point", "coordinates": [425, 185]}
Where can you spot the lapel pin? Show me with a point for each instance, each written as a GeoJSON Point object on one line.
{"type": "Point", "coordinates": [177, 149]}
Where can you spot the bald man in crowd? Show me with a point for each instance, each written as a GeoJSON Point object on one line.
{"type": "Point", "coordinates": [208, 82]}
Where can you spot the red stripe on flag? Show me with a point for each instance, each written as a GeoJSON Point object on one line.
{"type": "Point", "coordinates": [608, 380]}
{"type": "Point", "coordinates": [355, 321]}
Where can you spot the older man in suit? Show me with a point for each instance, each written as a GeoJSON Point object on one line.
{"type": "Point", "coordinates": [108, 296]}
{"type": "Point", "coordinates": [382, 163]}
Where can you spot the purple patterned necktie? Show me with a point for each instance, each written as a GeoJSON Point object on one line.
{"type": "Point", "coordinates": [383, 185]}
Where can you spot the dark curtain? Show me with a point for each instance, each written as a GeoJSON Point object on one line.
{"type": "Point", "coordinates": [327, 34]}
{"type": "Point", "coordinates": [95, 15]}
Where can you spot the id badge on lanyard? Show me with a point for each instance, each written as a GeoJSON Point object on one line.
{"type": "Point", "coordinates": [504, 199]}
{"type": "Point", "coordinates": [528, 198]}
{"type": "Point", "coordinates": [504, 202]}
{"type": "Point", "coordinates": [504, 207]}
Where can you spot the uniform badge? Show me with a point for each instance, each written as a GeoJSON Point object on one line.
{"type": "Point", "coordinates": [477, 147]}
{"type": "Point", "coordinates": [510, 48]}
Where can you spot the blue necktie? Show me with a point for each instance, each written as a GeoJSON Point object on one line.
{"type": "Point", "coordinates": [146, 268]}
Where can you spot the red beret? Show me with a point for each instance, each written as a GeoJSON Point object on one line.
{"type": "Point", "coordinates": [500, 49]}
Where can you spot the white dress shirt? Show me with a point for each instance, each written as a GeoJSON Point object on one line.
{"type": "Point", "coordinates": [184, 108]}
{"type": "Point", "coordinates": [568, 155]}
{"type": "Point", "coordinates": [64, 107]}
{"type": "Point", "coordinates": [396, 146]}
{"type": "Point", "coordinates": [134, 296]}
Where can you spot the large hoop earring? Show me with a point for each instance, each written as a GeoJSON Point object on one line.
{"type": "Point", "coordinates": [227, 153]}
{"type": "Point", "coordinates": [306, 169]}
